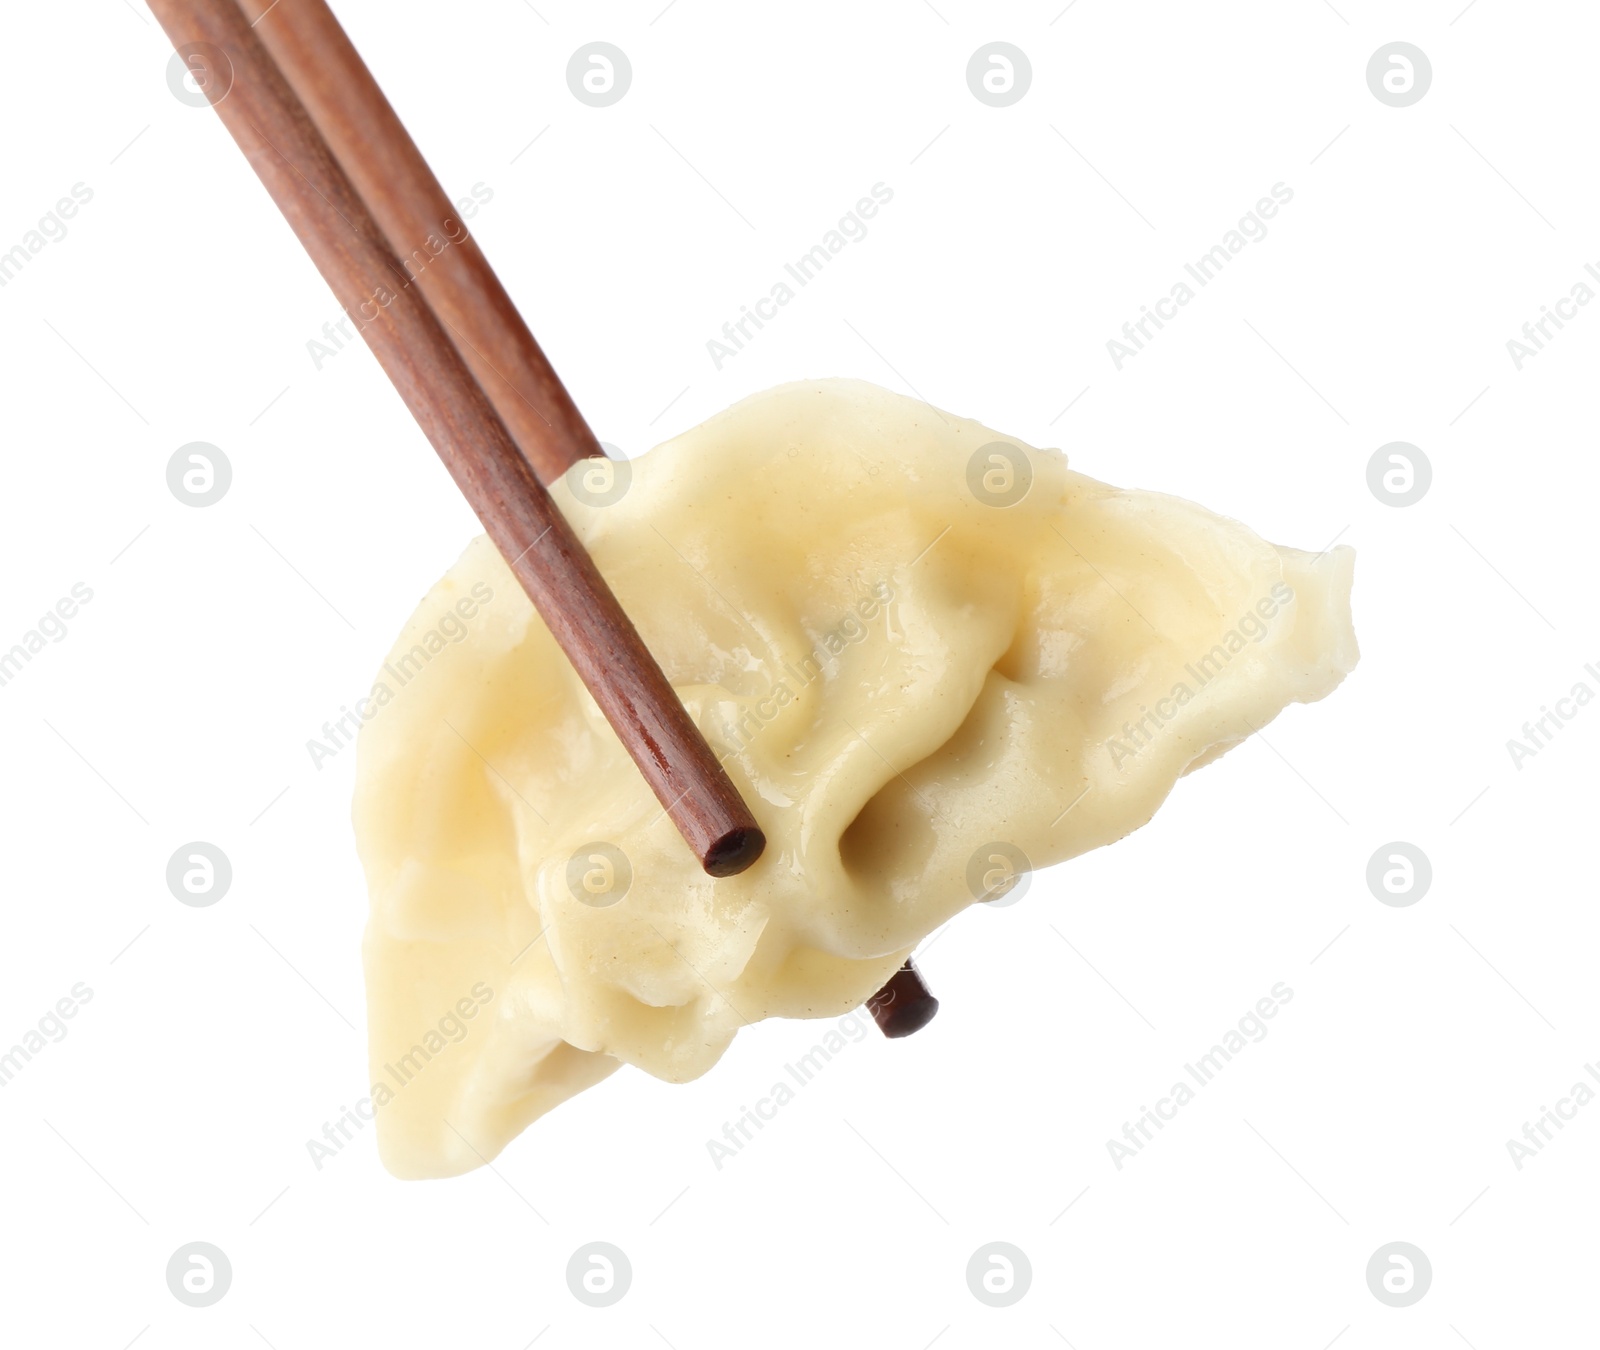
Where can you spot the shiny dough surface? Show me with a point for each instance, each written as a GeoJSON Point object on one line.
{"type": "Point", "coordinates": [910, 676]}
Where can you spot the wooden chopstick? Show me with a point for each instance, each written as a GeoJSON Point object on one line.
{"type": "Point", "coordinates": [384, 165]}
{"type": "Point", "coordinates": [372, 145]}
{"type": "Point", "coordinates": [903, 1006]}
{"type": "Point", "coordinates": [304, 178]}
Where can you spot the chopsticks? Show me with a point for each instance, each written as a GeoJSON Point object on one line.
{"type": "Point", "coordinates": [304, 178]}
{"type": "Point", "coordinates": [358, 128]}
{"type": "Point", "coordinates": [387, 170]}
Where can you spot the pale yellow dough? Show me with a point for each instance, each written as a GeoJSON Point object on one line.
{"type": "Point", "coordinates": [1085, 645]}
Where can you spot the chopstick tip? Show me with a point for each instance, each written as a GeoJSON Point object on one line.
{"type": "Point", "coordinates": [735, 851]}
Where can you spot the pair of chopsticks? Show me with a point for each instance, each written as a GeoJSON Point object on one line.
{"type": "Point", "coordinates": [307, 166]}
{"type": "Point", "coordinates": [302, 105]}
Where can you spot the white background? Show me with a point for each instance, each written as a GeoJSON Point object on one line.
{"type": "Point", "coordinates": [177, 708]}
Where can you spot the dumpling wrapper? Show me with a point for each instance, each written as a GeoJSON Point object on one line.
{"type": "Point", "coordinates": [900, 675]}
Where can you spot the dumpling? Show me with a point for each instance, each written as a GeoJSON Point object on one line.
{"type": "Point", "coordinates": [928, 654]}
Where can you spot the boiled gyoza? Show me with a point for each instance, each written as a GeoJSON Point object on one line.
{"type": "Point", "coordinates": [909, 637]}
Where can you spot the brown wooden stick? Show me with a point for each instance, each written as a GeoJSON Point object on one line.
{"type": "Point", "coordinates": [387, 169]}
{"type": "Point", "coordinates": [384, 165]}
{"type": "Point", "coordinates": [904, 1005]}
{"type": "Point", "coordinates": [304, 179]}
